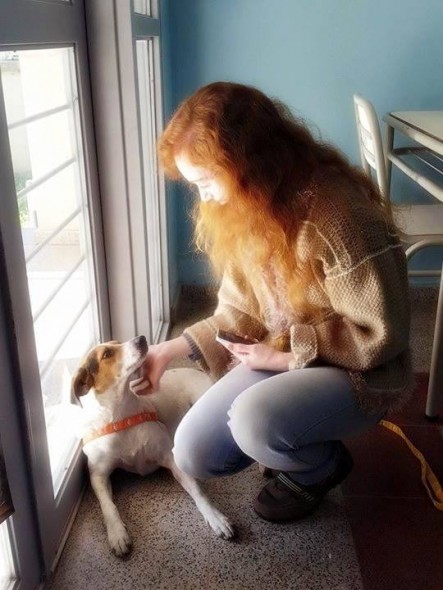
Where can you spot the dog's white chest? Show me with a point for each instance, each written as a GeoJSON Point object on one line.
{"type": "Point", "coordinates": [139, 449]}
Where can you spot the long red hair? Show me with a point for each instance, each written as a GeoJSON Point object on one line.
{"type": "Point", "coordinates": [263, 157]}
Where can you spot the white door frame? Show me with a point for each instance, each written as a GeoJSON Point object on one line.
{"type": "Point", "coordinates": [113, 29]}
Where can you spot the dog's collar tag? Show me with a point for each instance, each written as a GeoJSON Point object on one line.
{"type": "Point", "coordinates": [120, 425]}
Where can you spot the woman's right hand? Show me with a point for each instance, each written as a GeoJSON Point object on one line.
{"type": "Point", "coordinates": [158, 358]}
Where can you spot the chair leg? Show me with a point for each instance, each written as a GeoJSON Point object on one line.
{"type": "Point", "coordinates": [435, 387]}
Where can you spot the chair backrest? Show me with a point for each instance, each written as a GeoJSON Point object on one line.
{"type": "Point", "coordinates": [370, 142]}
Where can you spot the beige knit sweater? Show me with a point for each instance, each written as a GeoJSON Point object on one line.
{"type": "Point", "coordinates": [360, 295]}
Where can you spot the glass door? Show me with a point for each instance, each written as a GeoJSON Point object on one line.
{"type": "Point", "coordinates": [54, 286]}
{"type": "Point", "coordinates": [41, 103]}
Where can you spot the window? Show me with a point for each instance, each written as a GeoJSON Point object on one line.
{"type": "Point", "coordinates": [42, 112]}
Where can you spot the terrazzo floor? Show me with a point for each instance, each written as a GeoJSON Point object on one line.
{"type": "Point", "coordinates": [342, 546]}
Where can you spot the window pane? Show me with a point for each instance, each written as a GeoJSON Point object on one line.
{"type": "Point", "coordinates": [46, 146]}
{"type": "Point", "coordinates": [146, 88]}
{"type": "Point", "coordinates": [143, 7]}
{"type": "Point", "coordinates": [24, 77]}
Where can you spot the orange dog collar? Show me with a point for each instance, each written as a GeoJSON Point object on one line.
{"type": "Point", "coordinates": [120, 425]}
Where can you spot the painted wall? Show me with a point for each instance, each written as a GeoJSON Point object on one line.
{"type": "Point", "coordinates": [312, 54]}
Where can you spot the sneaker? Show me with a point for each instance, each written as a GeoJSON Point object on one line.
{"type": "Point", "coordinates": [284, 500]}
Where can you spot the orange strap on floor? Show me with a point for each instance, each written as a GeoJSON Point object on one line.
{"type": "Point", "coordinates": [428, 477]}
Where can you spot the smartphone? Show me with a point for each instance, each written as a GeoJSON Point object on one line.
{"type": "Point", "coordinates": [230, 338]}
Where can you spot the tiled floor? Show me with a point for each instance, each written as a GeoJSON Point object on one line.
{"type": "Point", "coordinates": [397, 532]}
{"type": "Point", "coordinates": [378, 532]}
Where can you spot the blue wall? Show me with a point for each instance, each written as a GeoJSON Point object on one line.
{"type": "Point", "coordinates": [312, 54]}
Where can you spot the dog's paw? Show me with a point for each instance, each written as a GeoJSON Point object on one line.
{"type": "Point", "coordinates": [220, 524]}
{"type": "Point", "coordinates": [119, 540]}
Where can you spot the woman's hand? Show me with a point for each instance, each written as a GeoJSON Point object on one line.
{"type": "Point", "coordinates": [158, 358]}
{"type": "Point", "coordinates": [260, 356]}
{"type": "Point", "coordinates": [155, 365]}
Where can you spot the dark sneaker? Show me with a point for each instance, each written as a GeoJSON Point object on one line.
{"type": "Point", "coordinates": [283, 499]}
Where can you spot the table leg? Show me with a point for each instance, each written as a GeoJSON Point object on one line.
{"type": "Point", "coordinates": [435, 387]}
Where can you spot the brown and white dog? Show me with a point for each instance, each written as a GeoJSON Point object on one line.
{"type": "Point", "coordinates": [135, 432]}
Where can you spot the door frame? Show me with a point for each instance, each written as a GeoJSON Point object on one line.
{"type": "Point", "coordinates": [113, 29]}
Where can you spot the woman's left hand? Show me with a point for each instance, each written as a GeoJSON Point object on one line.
{"type": "Point", "coordinates": [260, 356]}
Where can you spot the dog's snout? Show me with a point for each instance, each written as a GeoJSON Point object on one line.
{"type": "Point", "coordinates": [140, 343]}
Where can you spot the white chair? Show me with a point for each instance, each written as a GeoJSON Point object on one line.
{"type": "Point", "coordinates": [421, 225]}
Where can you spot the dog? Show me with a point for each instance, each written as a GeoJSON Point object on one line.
{"type": "Point", "coordinates": [135, 432]}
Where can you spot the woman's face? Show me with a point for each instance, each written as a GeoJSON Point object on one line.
{"type": "Point", "coordinates": [208, 186]}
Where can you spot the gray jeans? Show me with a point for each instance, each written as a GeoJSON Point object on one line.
{"type": "Point", "coordinates": [290, 421]}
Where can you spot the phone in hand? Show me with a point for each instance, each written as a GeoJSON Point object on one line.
{"type": "Point", "coordinates": [230, 338]}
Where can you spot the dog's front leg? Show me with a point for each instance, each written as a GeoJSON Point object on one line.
{"type": "Point", "coordinates": [118, 536]}
{"type": "Point", "coordinates": [218, 522]}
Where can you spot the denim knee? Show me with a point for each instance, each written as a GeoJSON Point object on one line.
{"type": "Point", "coordinates": [251, 425]}
{"type": "Point", "coordinates": [202, 454]}
{"type": "Point", "coordinates": [190, 456]}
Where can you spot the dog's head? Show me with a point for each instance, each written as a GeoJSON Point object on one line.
{"type": "Point", "coordinates": [107, 364]}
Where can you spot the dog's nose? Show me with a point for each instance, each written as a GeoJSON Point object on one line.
{"type": "Point", "coordinates": [140, 343]}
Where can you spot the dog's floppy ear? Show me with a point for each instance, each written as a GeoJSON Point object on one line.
{"type": "Point", "coordinates": [82, 382]}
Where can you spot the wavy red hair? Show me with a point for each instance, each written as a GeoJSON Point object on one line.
{"type": "Point", "coordinates": [263, 157]}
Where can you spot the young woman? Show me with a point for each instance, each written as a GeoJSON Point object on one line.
{"type": "Point", "coordinates": [312, 273]}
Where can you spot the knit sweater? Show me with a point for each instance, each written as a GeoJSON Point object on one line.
{"type": "Point", "coordinates": [359, 297]}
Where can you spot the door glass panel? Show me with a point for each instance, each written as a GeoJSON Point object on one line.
{"type": "Point", "coordinates": [46, 145]}
{"type": "Point", "coordinates": [52, 135]}
{"type": "Point", "coordinates": [146, 91]}
{"type": "Point", "coordinates": [143, 7]}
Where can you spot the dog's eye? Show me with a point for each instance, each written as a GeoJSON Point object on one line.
{"type": "Point", "coordinates": [107, 353]}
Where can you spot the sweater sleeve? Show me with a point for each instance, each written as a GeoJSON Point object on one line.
{"type": "Point", "coordinates": [365, 280]}
{"type": "Point", "coordinates": [237, 311]}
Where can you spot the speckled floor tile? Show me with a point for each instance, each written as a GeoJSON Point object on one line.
{"type": "Point", "coordinates": [316, 553]}
{"type": "Point", "coordinates": [170, 546]}
{"type": "Point", "coordinates": [174, 548]}
{"type": "Point", "coordinates": [424, 307]}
